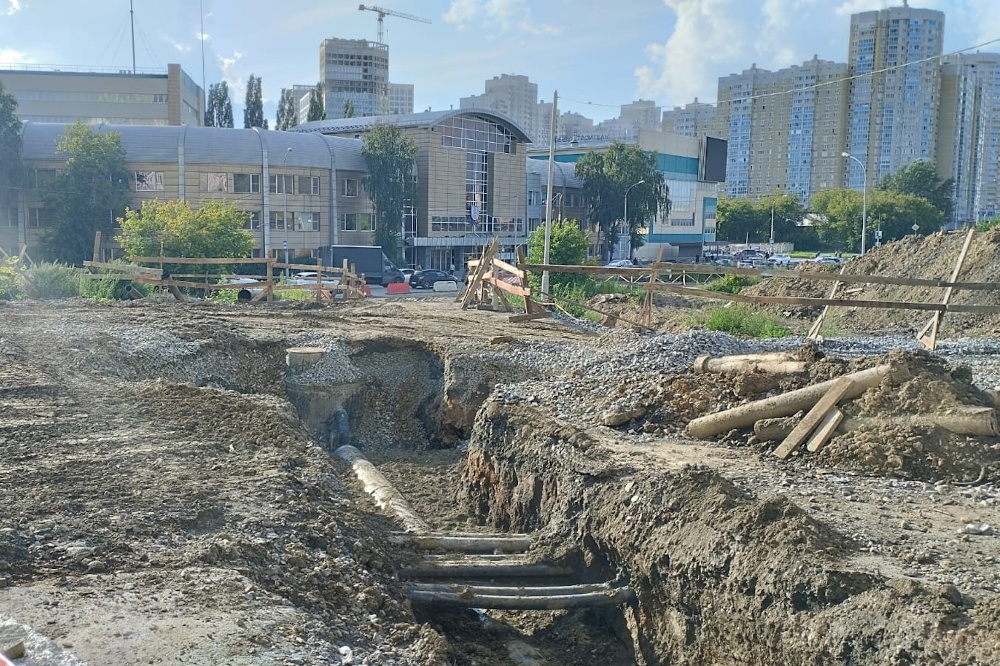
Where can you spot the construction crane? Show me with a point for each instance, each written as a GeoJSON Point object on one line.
{"type": "Point", "coordinates": [382, 13]}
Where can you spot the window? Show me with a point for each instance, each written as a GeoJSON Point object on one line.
{"type": "Point", "coordinates": [357, 222]}
{"type": "Point", "coordinates": [349, 187]}
{"type": "Point", "coordinates": [44, 178]}
{"type": "Point", "coordinates": [307, 222]}
{"type": "Point", "coordinates": [246, 183]}
{"type": "Point", "coordinates": [10, 219]}
{"type": "Point", "coordinates": [148, 181]}
{"type": "Point", "coordinates": [254, 221]}
{"type": "Point", "coordinates": [38, 218]}
{"type": "Point", "coordinates": [534, 198]}
{"type": "Point", "coordinates": [309, 185]}
{"type": "Point", "coordinates": [215, 182]}
{"type": "Point", "coordinates": [282, 184]}
{"type": "Point", "coordinates": [278, 219]}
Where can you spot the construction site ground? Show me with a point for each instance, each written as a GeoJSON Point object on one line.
{"type": "Point", "coordinates": [166, 499]}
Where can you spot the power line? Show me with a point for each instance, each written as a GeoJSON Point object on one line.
{"type": "Point", "coordinates": [816, 85]}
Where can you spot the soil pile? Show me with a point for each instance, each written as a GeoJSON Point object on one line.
{"type": "Point", "coordinates": [927, 257]}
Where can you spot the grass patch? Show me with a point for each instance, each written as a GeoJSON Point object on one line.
{"type": "Point", "coordinates": [51, 281]}
{"type": "Point", "coordinates": [731, 284]}
{"type": "Point", "coordinates": [744, 323]}
{"type": "Point", "coordinates": [11, 285]}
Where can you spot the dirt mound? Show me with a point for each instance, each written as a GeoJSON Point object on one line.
{"type": "Point", "coordinates": [926, 257]}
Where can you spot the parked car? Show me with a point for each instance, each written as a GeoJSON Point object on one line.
{"type": "Point", "coordinates": [828, 260]}
{"type": "Point", "coordinates": [426, 278]}
{"type": "Point", "coordinates": [780, 259]}
{"type": "Point", "coordinates": [309, 277]}
{"type": "Point", "coordinates": [620, 263]}
{"type": "Point", "coordinates": [407, 272]}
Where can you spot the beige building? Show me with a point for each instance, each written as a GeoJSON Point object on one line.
{"type": "Point", "coordinates": [470, 175]}
{"type": "Point", "coordinates": [120, 97]}
{"type": "Point", "coordinates": [355, 71]}
{"type": "Point", "coordinates": [303, 191]}
{"type": "Point", "coordinates": [510, 95]}
{"type": "Point", "coordinates": [696, 119]}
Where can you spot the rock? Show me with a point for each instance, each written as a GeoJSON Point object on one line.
{"type": "Point", "coordinates": [950, 593]}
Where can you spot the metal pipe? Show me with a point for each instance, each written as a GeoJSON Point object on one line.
{"type": "Point", "coordinates": [471, 599]}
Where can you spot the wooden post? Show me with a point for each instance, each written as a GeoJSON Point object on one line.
{"type": "Point", "coordinates": [269, 289]}
{"type": "Point", "coordinates": [97, 245]}
{"type": "Point", "coordinates": [817, 414]}
{"type": "Point", "coordinates": [928, 335]}
{"type": "Point", "coordinates": [818, 324]}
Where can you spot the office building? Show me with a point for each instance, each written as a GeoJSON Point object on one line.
{"type": "Point", "coordinates": [301, 95]}
{"type": "Point", "coordinates": [696, 119]}
{"type": "Point", "coordinates": [99, 95]}
{"type": "Point", "coordinates": [509, 95]}
{"type": "Point", "coordinates": [400, 98]}
{"type": "Point", "coordinates": [893, 106]}
{"type": "Point", "coordinates": [784, 129]}
{"type": "Point", "coordinates": [355, 71]}
{"type": "Point", "coordinates": [969, 134]}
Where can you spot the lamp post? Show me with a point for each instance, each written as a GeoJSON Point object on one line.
{"type": "Point", "coordinates": [284, 215]}
{"type": "Point", "coordinates": [625, 214]}
{"type": "Point", "coordinates": [864, 197]}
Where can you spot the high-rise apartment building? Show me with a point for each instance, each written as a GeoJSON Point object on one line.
{"type": "Point", "coordinates": [893, 64]}
{"type": "Point", "coordinates": [784, 128]}
{"type": "Point", "coordinates": [355, 71]}
{"type": "Point", "coordinates": [969, 134]}
{"type": "Point", "coordinates": [400, 98]}
{"type": "Point", "coordinates": [511, 95]}
{"type": "Point", "coordinates": [641, 114]}
{"type": "Point", "coordinates": [696, 119]}
{"type": "Point", "coordinates": [119, 96]}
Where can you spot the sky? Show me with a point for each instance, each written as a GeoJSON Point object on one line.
{"type": "Point", "coordinates": [598, 54]}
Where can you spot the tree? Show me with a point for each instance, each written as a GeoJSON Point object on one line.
{"type": "Point", "coordinates": [742, 220]}
{"type": "Point", "coordinates": [921, 179]}
{"type": "Point", "coordinates": [568, 245]}
{"type": "Point", "coordinates": [606, 177]}
{"type": "Point", "coordinates": [11, 144]}
{"type": "Point", "coordinates": [316, 111]}
{"type": "Point", "coordinates": [87, 195]}
{"type": "Point", "coordinates": [894, 212]}
{"type": "Point", "coordinates": [253, 108]}
{"type": "Point", "coordinates": [174, 229]}
{"type": "Point", "coordinates": [284, 111]}
{"type": "Point", "coordinates": [389, 155]}
{"type": "Point", "coordinates": [220, 108]}
{"type": "Point", "coordinates": [348, 108]}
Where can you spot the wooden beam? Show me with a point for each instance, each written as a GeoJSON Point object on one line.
{"type": "Point", "coordinates": [928, 336]}
{"type": "Point", "coordinates": [500, 263]}
{"type": "Point", "coordinates": [815, 415]}
{"type": "Point", "coordinates": [125, 268]}
{"type": "Point", "coordinates": [97, 245]}
{"type": "Point", "coordinates": [824, 431]}
{"type": "Point", "coordinates": [818, 324]}
{"type": "Point", "coordinates": [517, 290]}
{"type": "Point", "coordinates": [198, 261]}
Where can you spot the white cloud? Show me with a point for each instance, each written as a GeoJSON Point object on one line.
{"type": "Point", "coordinates": [178, 46]}
{"type": "Point", "coordinates": [13, 7]}
{"type": "Point", "coordinates": [237, 85]}
{"type": "Point", "coordinates": [501, 15]}
{"type": "Point", "coordinates": [12, 57]}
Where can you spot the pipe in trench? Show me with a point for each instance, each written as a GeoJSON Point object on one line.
{"type": "Point", "coordinates": [385, 494]}
{"type": "Point", "coordinates": [469, 599]}
{"type": "Point", "coordinates": [785, 404]}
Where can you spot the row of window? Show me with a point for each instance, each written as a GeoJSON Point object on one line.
{"type": "Point", "coordinates": [249, 183]}
{"type": "Point", "coordinates": [310, 221]}
{"type": "Point", "coordinates": [125, 98]}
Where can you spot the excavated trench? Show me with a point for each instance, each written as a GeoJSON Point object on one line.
{"type": "Point", "coordinates": [716, 575]}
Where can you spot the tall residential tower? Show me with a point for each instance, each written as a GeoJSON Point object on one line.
{"type": "Point", "coordinates": [355, 71]}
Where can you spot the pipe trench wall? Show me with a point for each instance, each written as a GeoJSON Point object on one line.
{"type": "Point", "coordinates": [721, 576]}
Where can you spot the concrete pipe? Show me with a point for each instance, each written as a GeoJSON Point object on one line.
{"type": "Point", "coordinates": [385, 494]}
{"type": "Point", "coordinates": [786, 404]}
{"type": "Point", "coordinates": [471, 599]}
{"type": "Point", "coordinates": [779, 363]}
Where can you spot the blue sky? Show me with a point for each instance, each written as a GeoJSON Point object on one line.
{"type": "Point", "coordinates": [598, 54]}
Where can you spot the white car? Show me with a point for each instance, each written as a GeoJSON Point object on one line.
{"type": "Point", "coordinates": [309, 277]}
{"type": "Point", "coordinates": [780, 260]}
{"type": "Point", "coordinates": [620, 263]}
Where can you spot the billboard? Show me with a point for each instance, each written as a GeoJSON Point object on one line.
{"type": "Point", "coordinates": [713, 160]}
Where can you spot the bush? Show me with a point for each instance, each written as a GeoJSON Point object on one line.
{"type": "Point", "coordinates": [731, 283]}
{"type": "Point", "coordinates": [745, 323]}
{"type": "Point", "coordinates": [11, 285]}
{"type": "Point", "coordinates": [53, 280]}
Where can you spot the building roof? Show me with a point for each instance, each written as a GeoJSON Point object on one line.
{"type": "Point", "coordinates": [209, 145]}
{"type": "Point", "coordinates": [408, 120]}
{"type": "Point", "coordinates": [563, 173]}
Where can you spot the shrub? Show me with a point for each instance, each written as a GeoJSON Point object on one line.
{"type": "Point", "coordinates": [745, 323]}
{"type": "Point", "coordinates": [51, 280]}
{"type": "Point", "coordinates": [11, 285]}
{"type": "Point", "coordinates": [731, 283]}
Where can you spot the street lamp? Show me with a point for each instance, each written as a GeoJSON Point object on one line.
{"type": "Point", "coordinates": [864, 197]}
{"type": "Point", "coordinates": [625, 215]}
{"type": "Point", "coordinates": [284, 215]}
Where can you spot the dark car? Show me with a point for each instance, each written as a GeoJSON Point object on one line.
{"type": "Point", "coordinates": [426, 278]}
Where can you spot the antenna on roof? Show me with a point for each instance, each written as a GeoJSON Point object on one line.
{"type": "Point", "coordinates": [131, 18]}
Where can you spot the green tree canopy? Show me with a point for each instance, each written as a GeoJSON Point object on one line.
{"type": "Point", "coordinates": [287, 118]}
{"type": "Point", "coordinates": [87, 195]}
{"type": "Point", "coordinates": [606, 177]}
{"type": "Point", "coordinates": [567, 246]}
{"type": "Point", "coordinates": [253, 108]}
{"type": "Point", "coordinates": [895, 212]}
{"type": "Point", "coordinates": [11, 168]}
{"type": "Point", "coordinates": [389, 154]}
{"type": "Point", "coordinates": [742, 220]}
{"type": "Point", "coordinates": [316, 111]}
{"type": "Point", "coordinates": [920, 179]}
{"type": "Point", "coordinates": [220, 108]}
{"type": "Point", "coordinates": [174, 229]}
{"type": "Point", "coordinates": [348, 109]}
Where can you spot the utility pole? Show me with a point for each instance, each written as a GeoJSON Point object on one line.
{"type": "Point", "coordinates": [548, 193]}
{"type": "Point", "coordinates": [131, 18]}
